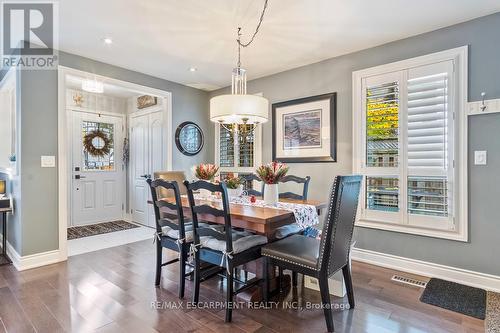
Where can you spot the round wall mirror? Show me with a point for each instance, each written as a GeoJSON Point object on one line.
{"type": "Point", "coordinates": [189, 138]}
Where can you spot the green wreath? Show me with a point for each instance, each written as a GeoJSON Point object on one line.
{"type": "Point", "coordinates": [89, 146]}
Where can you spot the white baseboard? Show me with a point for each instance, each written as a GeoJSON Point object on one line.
{"type": "Point", "coordinates": [22, 263]}
{"type": "Point", "coordinates": [463, 276]}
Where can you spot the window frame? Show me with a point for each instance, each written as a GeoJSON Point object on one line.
{"type": "Point", "coordinates": [257, 152]}
{"type": "Point", "coordinates": [458, 229]}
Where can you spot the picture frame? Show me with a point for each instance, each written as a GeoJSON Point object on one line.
{"type": "Point", "coordinates": [146, 101]}
{"type": "Point", "coordinates": [304, 130]}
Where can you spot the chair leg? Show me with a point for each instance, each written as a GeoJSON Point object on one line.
{"type": "Point", "coordinates": [182, 270]}
{"type": "Point", "coordinates": [265, 285]}
{"type": "Point", "coordinates": [346, 271]}
{"type": "Point", "coordinates": [159, 259]}
{"type": "Point", "coordinates": [280, 280]}
{"type": "Point", "coordinates": [325, 302]}
{"type": "Point", "coordinates": [196, 291]}
{"type": "Point", "coordinates": [229, 293]}
{"type": "Point", "coordinates": [295, 276]}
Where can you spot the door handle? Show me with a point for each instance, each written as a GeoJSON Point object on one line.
{"type": "Point", "coordinates": [79, 177]}
{"type": "Point", "coordinates": [146, 176]}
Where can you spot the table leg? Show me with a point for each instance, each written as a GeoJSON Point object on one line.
{"type": "Point", "coordinates": [254, 294]}
{"type": "Point", "coordinates": [4, 233]}
{"type": "Point", "coordinates": [4, 240]}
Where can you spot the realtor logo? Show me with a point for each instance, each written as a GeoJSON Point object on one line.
{"type": "Point", "coordinates": [29, 34]}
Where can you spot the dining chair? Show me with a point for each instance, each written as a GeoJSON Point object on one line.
{"type": "Point", "coordinates": [321, 258]}
{"type": "Point", "coordinates": [250, 178]}
{"type": "Point", "coordinates": [293, 228]}
{"type": "Point", "coordinates": [170, 233]}
{"type": "Point", "coordinates": [298, 180]}
{"type": "Point", "coordinates": [178, 176]}
{"type": "Point", "coordinates": [226, 248]}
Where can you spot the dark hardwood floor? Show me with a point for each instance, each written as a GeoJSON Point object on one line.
{"type": "Point", "coordinates": [112, 290]}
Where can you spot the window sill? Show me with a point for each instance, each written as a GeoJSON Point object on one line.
{"type": "Point", "coordinates": [460, 235]}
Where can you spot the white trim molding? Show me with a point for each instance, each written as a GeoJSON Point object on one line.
{"type": "Point", "coordinates": [428, 269]}
{"type": "Point", "coordinates": [22, 263]}
{"type": "Point", "coordinates": [64, 165]}
{"type": "Point", "coordinates": [456, 227]}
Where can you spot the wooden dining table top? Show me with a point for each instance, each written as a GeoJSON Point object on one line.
{"type": "Point", "coordinates": [263, 220]}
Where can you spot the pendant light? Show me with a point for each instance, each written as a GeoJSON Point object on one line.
{"type": "Point", "coordinates": [240, 108]}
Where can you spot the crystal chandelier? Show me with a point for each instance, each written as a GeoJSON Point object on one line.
{"type": "Point", "coordinates": [240, 108]}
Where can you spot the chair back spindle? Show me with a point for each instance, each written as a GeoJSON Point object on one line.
{"type": "Point", "coordinates": [159, 186]}
{"type": "Point", "coordinates": [214, 210]}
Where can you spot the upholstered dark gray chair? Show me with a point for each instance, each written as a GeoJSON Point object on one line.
{"type": "Point", "coordinates": [322, 258]}
{"type": "Point", "coordinates": [228, 248]}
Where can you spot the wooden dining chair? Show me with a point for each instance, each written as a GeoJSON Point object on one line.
{"type": "Point", "coordinates": [298, 180]}
{"type": "Point", "coordinates": [171, 231]}
{"type": "Point", "coordinates": [250, 178]}
{"type": "Point", "coordinates": [226, 248]}
{"type": "Point", "coordinates": [294, 228]}
{"type": "Point", "coordinates": [322, 258]}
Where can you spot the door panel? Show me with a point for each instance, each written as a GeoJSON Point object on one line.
{"type": "Point", "coordinates": [98, 180]}
{"type": "Point", "coordinates": [147, 149]}
{"type": "Point", "coordinates": [140, 167]}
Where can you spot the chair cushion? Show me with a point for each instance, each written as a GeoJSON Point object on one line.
{"type": "Point", "coordinates": [173, 233]}
{"type": "Point", "coordinates": [296, 249]}
{"type": "Point", "coordinates": [287, 230]}
{"type": "Point", "coordinates": [241, 241]}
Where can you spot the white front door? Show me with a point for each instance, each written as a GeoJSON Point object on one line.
{"type": "Point", "coordinates": [147, 155]}
{"type": "Point", "coordinates": [98, 175]}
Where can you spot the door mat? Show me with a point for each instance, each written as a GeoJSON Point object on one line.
{"type": "Point", "coordinates": [456, 297]}
{"type": "Point", "coordinates": [98, 229]}
{"type": "Point", "coordinates": [492, 323]}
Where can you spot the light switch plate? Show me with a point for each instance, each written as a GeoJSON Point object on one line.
{"type": "Point", "coordinates": [480, 157]}
{"type": "Point", "coordinates": [48, 161]}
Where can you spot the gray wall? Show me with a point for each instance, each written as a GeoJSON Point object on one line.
{"type": "Point", "coordinates": [482, 36]}
{"type": "Point", "coordinates": [39, 137]}
{"type": "Point", "coordinates": [14, 181]}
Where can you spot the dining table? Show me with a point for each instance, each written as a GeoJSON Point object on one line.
{"type": "Point", "coordinates": [258, 219]}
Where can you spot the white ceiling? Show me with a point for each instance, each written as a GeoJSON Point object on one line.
{"type": "Point", "coordinates": [164, 38]}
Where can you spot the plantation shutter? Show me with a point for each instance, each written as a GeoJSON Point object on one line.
{"type": "Point", "coordinates": [246, 148]}
{"type": "Point", "coordinates": [429, 138]}
{"type": "Point", "coordinates": [381, 103]}
{"type": "Point", "coordinates": [239, 153]}
{"type": "Point", "coordinates": [382, 125]}
{"type": "Point", "coordinates": [428, 113]}
{"type": "Point", "coordinates": [226, 148]}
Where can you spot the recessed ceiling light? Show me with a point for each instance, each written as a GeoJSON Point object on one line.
{"type": "Point", "coordinates": [193, 69]}
{"type": "Point", "coordinates": [108, 41]}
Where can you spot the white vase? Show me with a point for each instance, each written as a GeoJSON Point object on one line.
{"type": "Point", "coordinates": [235, 192]}
{"type": "Point", "coordinates": [271, 194]}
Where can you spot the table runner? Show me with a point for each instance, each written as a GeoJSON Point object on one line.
{"type": "Point", "coordinates": [305, 215]}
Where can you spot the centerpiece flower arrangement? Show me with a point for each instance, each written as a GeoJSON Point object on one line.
{"type": "Point", "coordinates": [207, 173]}
{"type": "Point", "coordinates": [234, 185]}
{"type": "Point", "coordinates": [271, 174]}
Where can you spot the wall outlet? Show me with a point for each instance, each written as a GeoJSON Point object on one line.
{"type": "Point", "coordinates": [48, 161]}
{"type": "Point", "coordinates": [480, 157]}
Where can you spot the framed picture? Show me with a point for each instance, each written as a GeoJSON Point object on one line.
{"type": "Point", "coordinates": [146, 101]}
{"type": "Point", "coordinates": [304, 130]}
